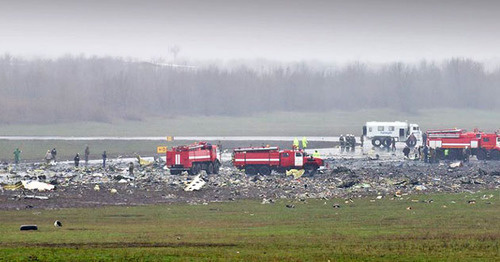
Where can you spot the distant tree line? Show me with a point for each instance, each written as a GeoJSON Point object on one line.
{"type": "Point", "coordinates": [102, 89]}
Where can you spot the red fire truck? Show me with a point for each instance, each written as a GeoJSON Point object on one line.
{"type": "Point", "coordinates": [458, 141]}
{"type": "Point", "coordinates": [194, 158]}
{"type": "Point", "coordinates": [263, 160]}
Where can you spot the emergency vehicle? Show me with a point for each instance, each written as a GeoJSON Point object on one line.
{"type": "Point", "coordinates": [454, 143]}
{"type": "Point", "coordinates": [263, 160]}
{"type": "Point", "coordinates": [382, 133]}
{"type": "Point", "coordinates": [194, 158]}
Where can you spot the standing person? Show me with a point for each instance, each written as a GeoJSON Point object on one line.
{"type": "Point", "coordinates": [316, 154]}
{"type": "Point", "coordinates": [53, 152]}
{"type": "Point", "coordinates": [406, 152]}
{"type": "Point", "coordinates": [77, 159]}
{"type": "Point", "coordinates": [131, 169]}
{"type": "Point", "coordinates": [304, 142]}
{"type": "Point", "coordinates": [87, 153]}
{"type": "Point", "coordinates": [393, 143]}
{"type": "Point", "coordinates": [446, 153]}
{"type": "Point", "coordinates": [347, 143]}
{"type": "Point", "coordinates": [362, 140]}
{"type": "Point", "coordinates": [104, 156]}
{"type": "Point", "coordinates": [353, 143]}
{"type": "Point", "coordinates": [342, 143]}
{"type": "Point", "coordinates": [426, 154]}
{"type": "Point", "coordinates": [295, 143]}
{"type": "Point", "coordinates": [424, 139]}
{"type": "Point", "coordinates": [48, 157]}
{"type": "Point", "coordinates": [17, 156]}
{"type": "Point", "coordinates": [466, 154]}
{"type": "Point", "coordinates": [432, 155]}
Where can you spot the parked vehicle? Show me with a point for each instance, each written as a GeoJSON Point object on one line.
{"type": "Point", "coordinates": [263, 160]}
{"type": "Point", "coordinates": [194, 158]}
{"type": "Point", "coordinates": [457, 142]}
{"type": "Point", "coordinates": [382, 133]}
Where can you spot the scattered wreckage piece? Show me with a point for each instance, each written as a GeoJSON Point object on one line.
{"type": "Point", "coordinates": [196, 184]}
{"type": "Point", "coordinates": [37, 185]}
{"type": "Point", "coordinates": [36, 197]}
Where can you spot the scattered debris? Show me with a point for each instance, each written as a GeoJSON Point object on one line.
{"type": "Point", "coordinates": [347, 178]}
{"type": "Point", "coordinates": [57, 223]}
{"type": "Point", "coordinates": [290, 206]}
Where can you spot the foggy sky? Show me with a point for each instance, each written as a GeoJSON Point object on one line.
{"type": "Point", "coordinates": [366, 30]}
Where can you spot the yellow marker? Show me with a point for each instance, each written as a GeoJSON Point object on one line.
{"type": "Point", "coordinates": [161, 149]}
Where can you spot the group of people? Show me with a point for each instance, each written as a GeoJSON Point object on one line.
{"type": "Point", "coordinates": [51, 156]}
{"type": "Point", "coordinates": [347, 143]}
{"type": "Point", "coordinates": [432, 155]}
{"type": "Point", "coordinates": [296, 144]}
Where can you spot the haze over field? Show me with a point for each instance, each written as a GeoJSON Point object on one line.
{"type": "Point", "coordinates": [67, 61]}
{"type": "Point", "coordinates": [285, 30]}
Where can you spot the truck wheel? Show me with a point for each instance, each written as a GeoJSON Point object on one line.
{"type": "Point", "coordinates": [216, 167]}
{"type": "Point", "coordinates": [495, 154]}
{"type": "Point", "coordinates": [411, 143]}
{"type": "Point", "coordinates": [250, 170]}
{"type": "Point", "coordinates": [387, 142]}
{"type": "Point", "coordinates": [195, 169]}
{"type": "Point", "coordinates": [376, 142]}
{"type": "Point", "coordinates": [175, 172]}
{"type": "Point", "coordinates": [310, 170]}
{"type": "Point", "coordinates": [264, 170]}
{"type": "Point", "coordinates": [210, 168]}
{"type": "Point", "coordinates": [481, 154]}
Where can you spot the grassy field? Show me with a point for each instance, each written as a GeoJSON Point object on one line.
{"type": "Point", "coordinates": [279, 124]}
{"type": "Point", "coordinates": [445, 230]}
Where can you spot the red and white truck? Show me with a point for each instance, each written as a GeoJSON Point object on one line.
{"type": "Point", "coordinates": [484, 146]}
{"type": "Point", "coordinates": [263, 160]}
{"type": "Point", "coordinates": [194, 158]}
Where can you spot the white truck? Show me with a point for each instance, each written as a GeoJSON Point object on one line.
{"type": "Point", "coordinates": [382, 133]}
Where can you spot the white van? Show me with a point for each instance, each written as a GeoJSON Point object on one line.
{"type": "Point", "coordinates": [382, 133]}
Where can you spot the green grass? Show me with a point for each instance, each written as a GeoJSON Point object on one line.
{"type": "Point", "coordinates": [279, 123]}
{"type": "Point", "coordinates": [247, 230]}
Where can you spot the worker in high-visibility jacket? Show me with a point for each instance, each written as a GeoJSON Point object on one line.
{"type": "Point", "coordinates": [296, 143]}
{"type": "Point", "coordinates": [304, 142]}
{"type": "Point", "coordinates": [316, 154]}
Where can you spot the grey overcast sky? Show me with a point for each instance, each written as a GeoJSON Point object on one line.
{"type": "Point", "coordinates": [340, 31]}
